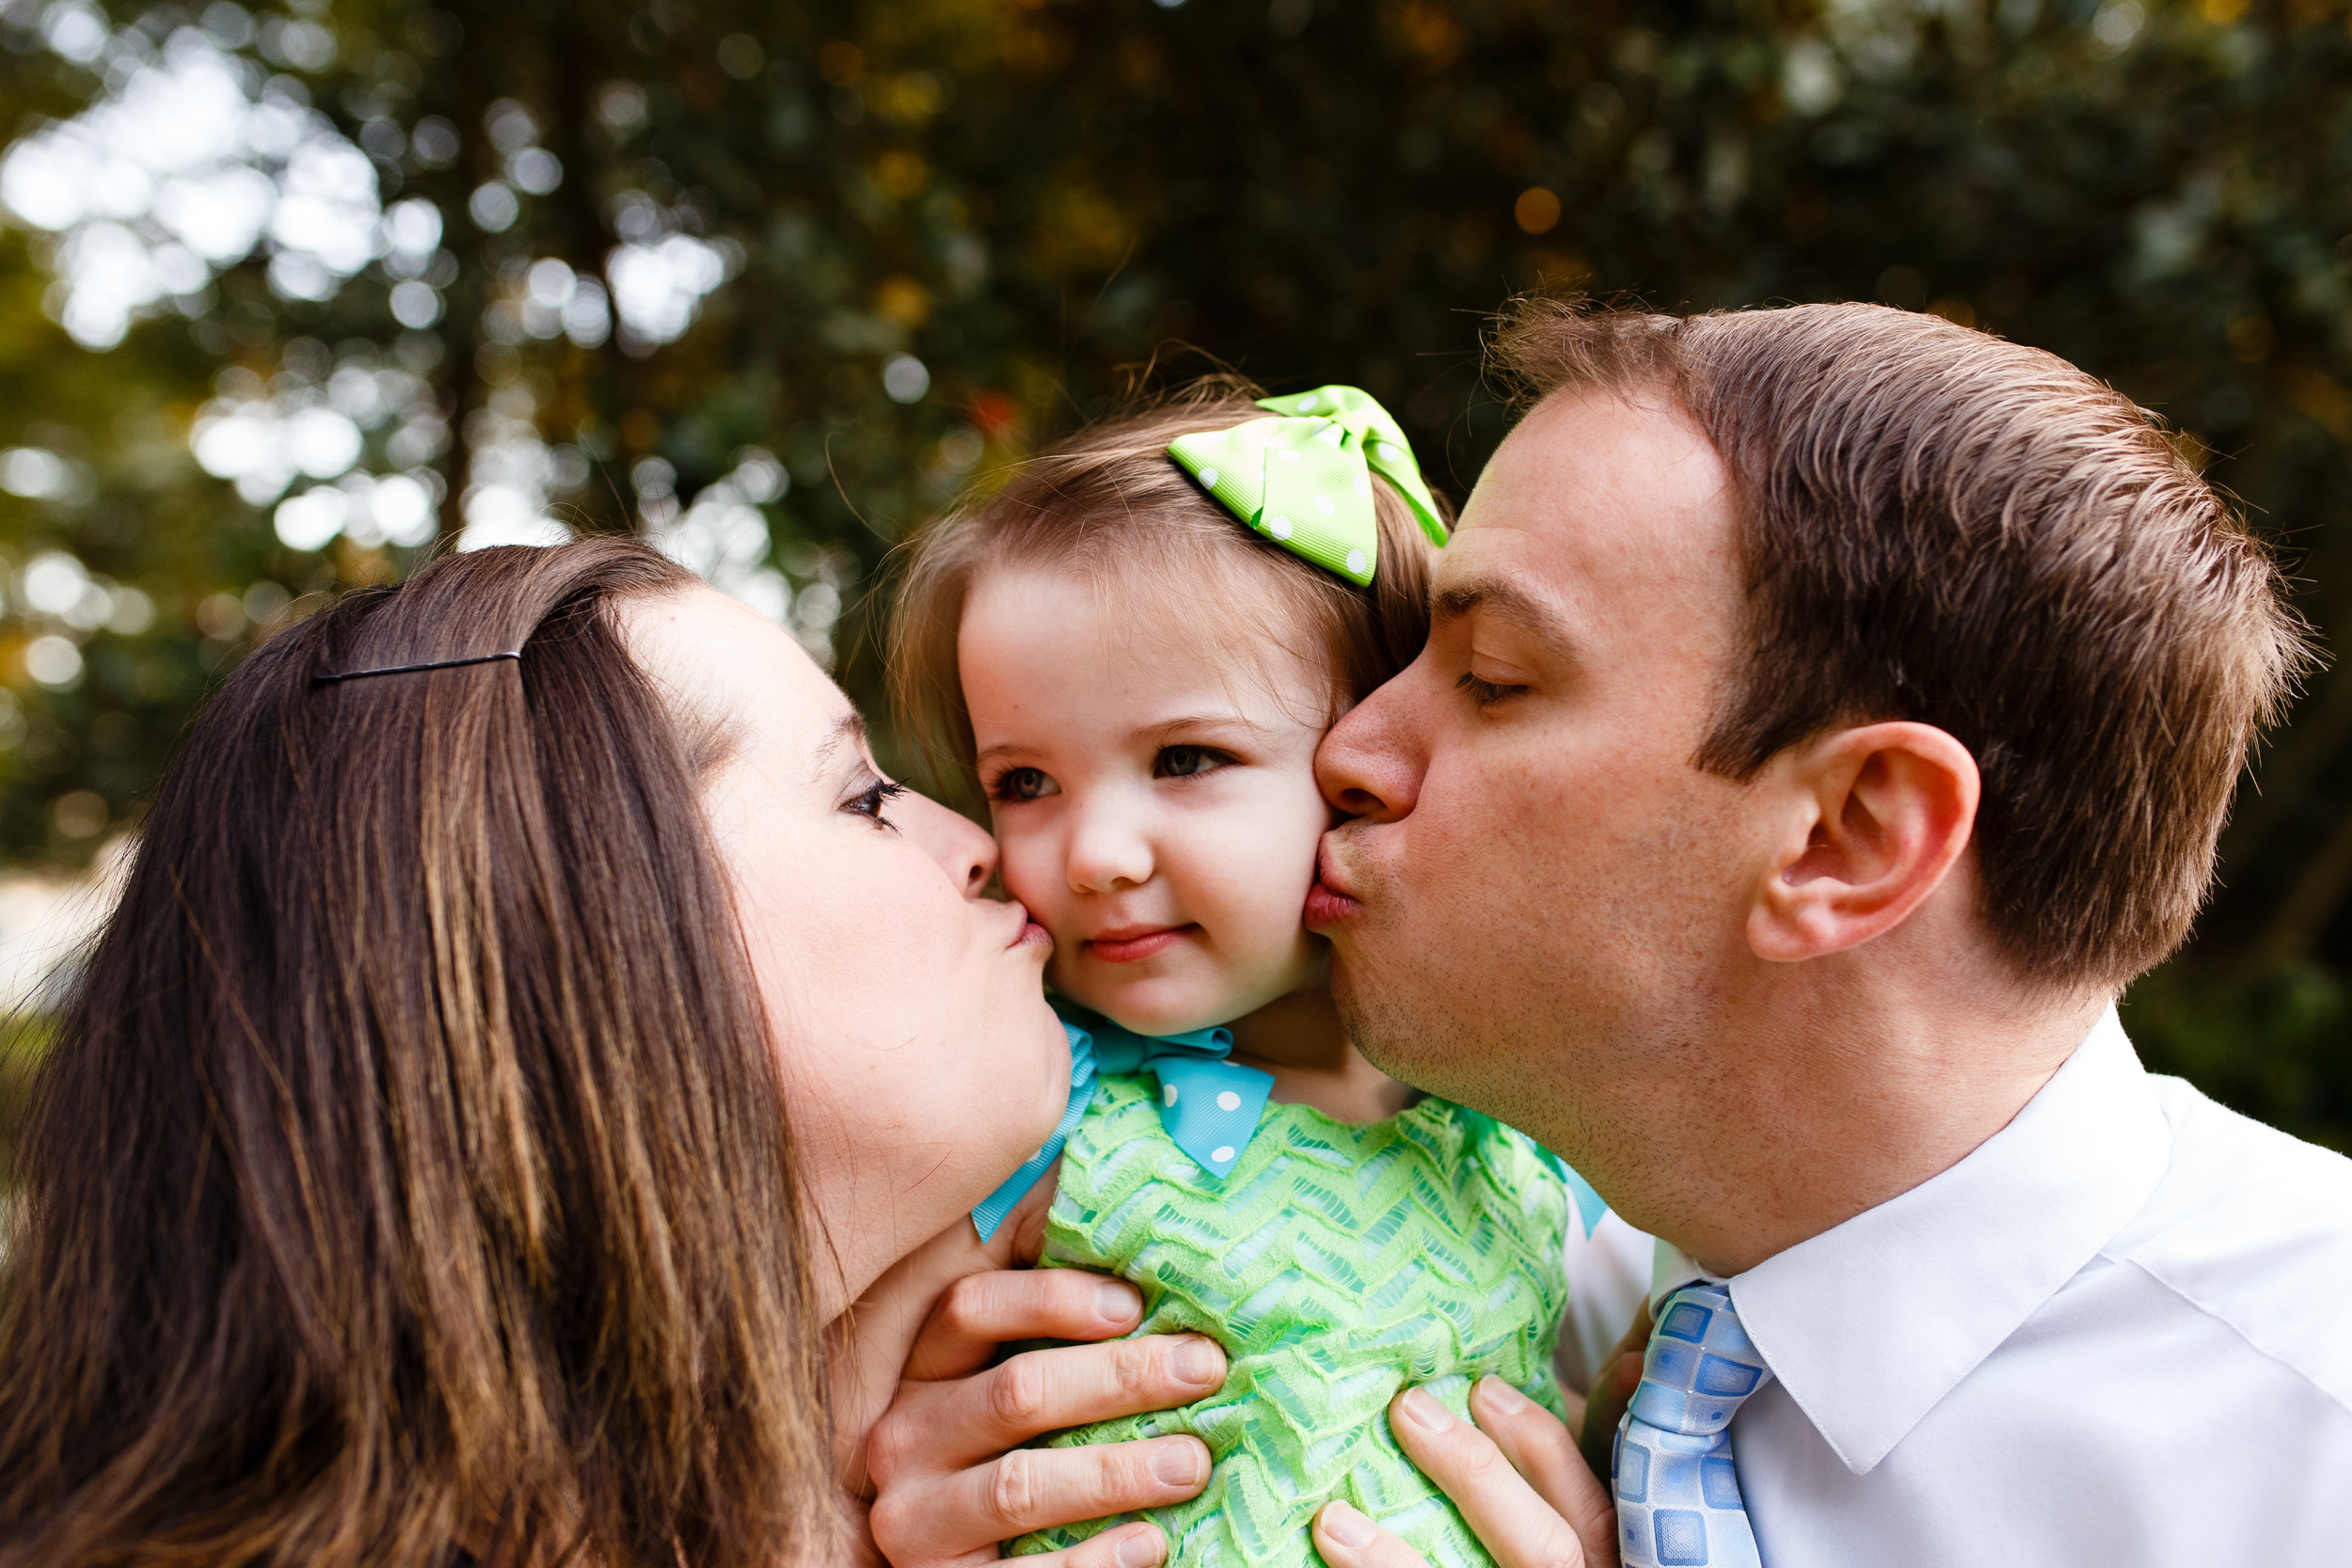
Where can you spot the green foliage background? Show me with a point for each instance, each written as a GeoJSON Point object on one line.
{"type": "Point", "coordinates": [1034, 198]}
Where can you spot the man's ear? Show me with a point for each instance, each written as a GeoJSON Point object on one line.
{"type": "Point", "coordinates": [1875, 818]}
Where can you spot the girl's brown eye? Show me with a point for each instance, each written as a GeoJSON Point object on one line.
{"type": "Point", "coordinates": [1021, 783]}
{"type": "Point", "coordinates": [1185, 761]}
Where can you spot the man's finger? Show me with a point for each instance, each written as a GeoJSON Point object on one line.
{"type": "Point", "coordinates": [1542, 1451]}
{"type": "Point", "coordinates": [1612, 1390]}
{"type": "Point", "coordinates": [1031, 1488]}
{"type": "Point", "coordinates": [1636, 1337]}
{"type": "Point", "coordinates": [1347, 1539]}
{"type": "Point", "coordinates": [1136, 1545]}
{"type": "Point", "coordinates": [939, 1426]}
{"type": "Point", "coordinates": [1520, 1530]}
{"type": "Point", "coordinates": [1572, 1409]}
{"type": "Point", "coordinates": [982, 1312]}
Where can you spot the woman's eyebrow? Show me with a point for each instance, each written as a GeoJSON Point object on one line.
{"type": "Point", "coordinates": [850, 729]}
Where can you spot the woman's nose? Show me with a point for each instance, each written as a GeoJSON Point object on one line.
{"type": "Point", "coordinates": [1107, 851]}
{"type": "Point", "coordinates": [1371, 762]}
{"type": "Point", "coordinates": [961, 847]}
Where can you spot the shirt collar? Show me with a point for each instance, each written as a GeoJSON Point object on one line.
{"type": "Point", "coordinates": [1872, 1322]}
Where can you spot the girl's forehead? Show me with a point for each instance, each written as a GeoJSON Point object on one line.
{"type": "Point", "coordinates": [1028, 634]}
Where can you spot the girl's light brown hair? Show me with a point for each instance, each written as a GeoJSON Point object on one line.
{"type": "Point", "coordinates": [1108, 503]}
{"type": "Point", "coordinates": [409, 1180]}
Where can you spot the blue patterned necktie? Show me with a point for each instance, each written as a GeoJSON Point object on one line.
{"type": "Point", "coordinates": [1676, 1487]}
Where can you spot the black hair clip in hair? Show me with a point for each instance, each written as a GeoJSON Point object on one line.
{"type": "Point", "coordinates": [411, 669]}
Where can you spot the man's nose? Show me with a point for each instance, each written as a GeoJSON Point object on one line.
{"type": "Point", "coordinates": [961, 847]}
{"type": "Point", "coordinates": [1107, 849]}
{"type": "Point", "coordinates": [1369, 765]}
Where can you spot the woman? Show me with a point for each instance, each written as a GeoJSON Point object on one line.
{"type": "Point", "coordinates": [499, 1069]}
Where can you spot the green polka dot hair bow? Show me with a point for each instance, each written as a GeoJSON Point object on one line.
{"type": "Point", "coordinates": [1302, 476]}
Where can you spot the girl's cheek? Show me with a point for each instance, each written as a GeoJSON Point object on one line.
{"type": "Point", "coordinates": [1028, 870]}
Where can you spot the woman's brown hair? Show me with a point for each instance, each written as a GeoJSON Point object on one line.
{"type": "Point", "coordinates": [1108, 502]}
{"type": "Point", "coordinates": [408, 1179]}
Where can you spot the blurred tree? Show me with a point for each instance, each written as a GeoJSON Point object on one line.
{"type": "Point", "coordinates": [289, 297]}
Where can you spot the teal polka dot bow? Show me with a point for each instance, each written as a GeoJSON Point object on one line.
{"type": "Point", "coordinates": [1209, 1105]}
{"type": "Point", "coordinates": [1302, 476]}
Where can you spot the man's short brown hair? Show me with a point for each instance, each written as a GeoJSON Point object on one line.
{"type": "Point", "coordinates": [1940, 526]}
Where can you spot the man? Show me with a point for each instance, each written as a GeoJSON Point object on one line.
{"type": "Point", "coordinates": [1829, 710]}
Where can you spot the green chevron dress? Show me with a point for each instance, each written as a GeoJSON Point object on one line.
{"type": "Point", "coordinates": [1335, 1263]}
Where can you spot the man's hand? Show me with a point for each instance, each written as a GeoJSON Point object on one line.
{"type": "Point", "coordinates": [1515, 1476]}
{"type": "Point", "coordinates": [947, 1490]}
{"type": "Point", "coordinates": [1612, 1389]}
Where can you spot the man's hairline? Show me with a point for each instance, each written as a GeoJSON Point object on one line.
{"type": "Point", "coordinates": [1547, 614]}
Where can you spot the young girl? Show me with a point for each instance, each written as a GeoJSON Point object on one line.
{"type": "Point", "coordinates": [1132, 650]}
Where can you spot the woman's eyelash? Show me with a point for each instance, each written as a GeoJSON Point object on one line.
{"type": "Point", "coordinates": [868, 802]}
{"type": "Point", "coordinates": [1485, 693]}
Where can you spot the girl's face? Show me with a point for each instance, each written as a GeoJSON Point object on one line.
{"type": "Point", "coordinates": [1154, 797]}
{"type": "Point", "coordinates": [921, 1064]}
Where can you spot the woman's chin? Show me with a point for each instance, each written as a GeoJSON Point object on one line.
{"type": "Point", "coordinates": [1049, 1070]}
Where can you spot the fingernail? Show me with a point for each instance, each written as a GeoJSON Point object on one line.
{"type": "Point", "coordinates": [1346, 1526]}
{"type": "Point", "coordinates": [1506, 1399]}
{"type": "Point", "coordinates": [1143, 1549]}
{"type": "Point", "coordinates": [1197, 1361]}
{"type": "Point", "coordinates": [1178, 1463]}
{"type": "Point", "coordinates": [1423, 1411]}
{"type": "Point", "coordinates": [1118, 1302]}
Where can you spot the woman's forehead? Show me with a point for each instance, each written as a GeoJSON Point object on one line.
{"type": "Point", "coordinates": [718, 659]}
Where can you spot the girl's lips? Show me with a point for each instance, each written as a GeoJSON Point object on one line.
{"type": "Point", "coordinates": [1133, 946]}
{"type": "Point", "coordinates": [1327, 906]}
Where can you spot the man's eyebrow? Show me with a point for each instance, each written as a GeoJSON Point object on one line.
{"type": "Point", "coordinates": [848, 729]}
{"type": "Point", "coordinates": [1505, 600]}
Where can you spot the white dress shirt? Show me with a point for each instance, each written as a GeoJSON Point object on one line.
{"type": "Point", "coordinates": [2119, 1332]}
{"type": "Point", "coordinates": [1609, 1271]}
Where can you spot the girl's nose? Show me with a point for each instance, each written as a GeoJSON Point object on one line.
{"type": "Point", "coordinates": [1107, 851]}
